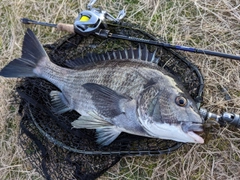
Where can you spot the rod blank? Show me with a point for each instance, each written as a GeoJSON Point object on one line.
{"type": "Point", "coordinates": [182, 48]}
{"type": "Point", "coordinates": [105, 33]}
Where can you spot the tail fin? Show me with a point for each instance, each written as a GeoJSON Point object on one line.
{"type": "Point", "coordinates": [32, 53]}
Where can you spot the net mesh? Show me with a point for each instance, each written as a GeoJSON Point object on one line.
{"type": "Point", "coordinates": [59, 152]}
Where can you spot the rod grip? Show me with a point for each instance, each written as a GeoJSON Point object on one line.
{"type": "Point", "coordinates": [65, 27]}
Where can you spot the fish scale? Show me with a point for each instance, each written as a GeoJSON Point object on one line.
{"type": "Point", "coordinates": [107, 76]}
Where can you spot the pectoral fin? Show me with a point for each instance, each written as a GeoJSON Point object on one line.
{"type": "Point", "coordinates": [59, 102]}
{"type": "Point", "coordinates": [108, 102]}
{"type": "Point", "coordinates": [106, 131]}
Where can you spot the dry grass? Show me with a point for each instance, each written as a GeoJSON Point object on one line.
{"type": "Point", "coordinates": [209, 24]}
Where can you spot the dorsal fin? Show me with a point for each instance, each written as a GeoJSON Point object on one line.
{"type": "Point", "coordinates": [93, 58]}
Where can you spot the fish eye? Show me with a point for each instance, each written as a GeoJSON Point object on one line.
{"type": "Point", "coordinates": [181, 101]}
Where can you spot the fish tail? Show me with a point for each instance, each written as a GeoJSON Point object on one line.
{"type": "Point", "coordinates": [33, 55]}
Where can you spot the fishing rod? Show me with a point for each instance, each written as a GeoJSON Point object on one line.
{"type": "Point", "coordinates": [93, 21]}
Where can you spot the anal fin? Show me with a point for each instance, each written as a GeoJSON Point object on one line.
{"type": "Point", "coordinates": [107, 135]}
{"type": "Point", "coordinates": [59, 102]}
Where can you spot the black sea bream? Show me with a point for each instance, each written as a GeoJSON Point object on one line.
{"type": "Point", "coordinates": [127, 93]}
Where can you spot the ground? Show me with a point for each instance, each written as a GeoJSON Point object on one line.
{"type": "Point", "coordinates": [209, 24]}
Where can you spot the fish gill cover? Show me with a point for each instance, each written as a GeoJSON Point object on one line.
{"type": "Point", "coordinates": [57, 150]}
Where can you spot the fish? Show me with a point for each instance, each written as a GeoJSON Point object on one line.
{"type": "Point", "coordinates": [114, 92]}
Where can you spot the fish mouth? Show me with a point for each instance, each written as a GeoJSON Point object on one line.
{"type": "Point", "coordinates": [196, 128]}
{"type": "Point", "coordinates": [196, 137]}
{"type": "Point", "coordinates": [193, 130]}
